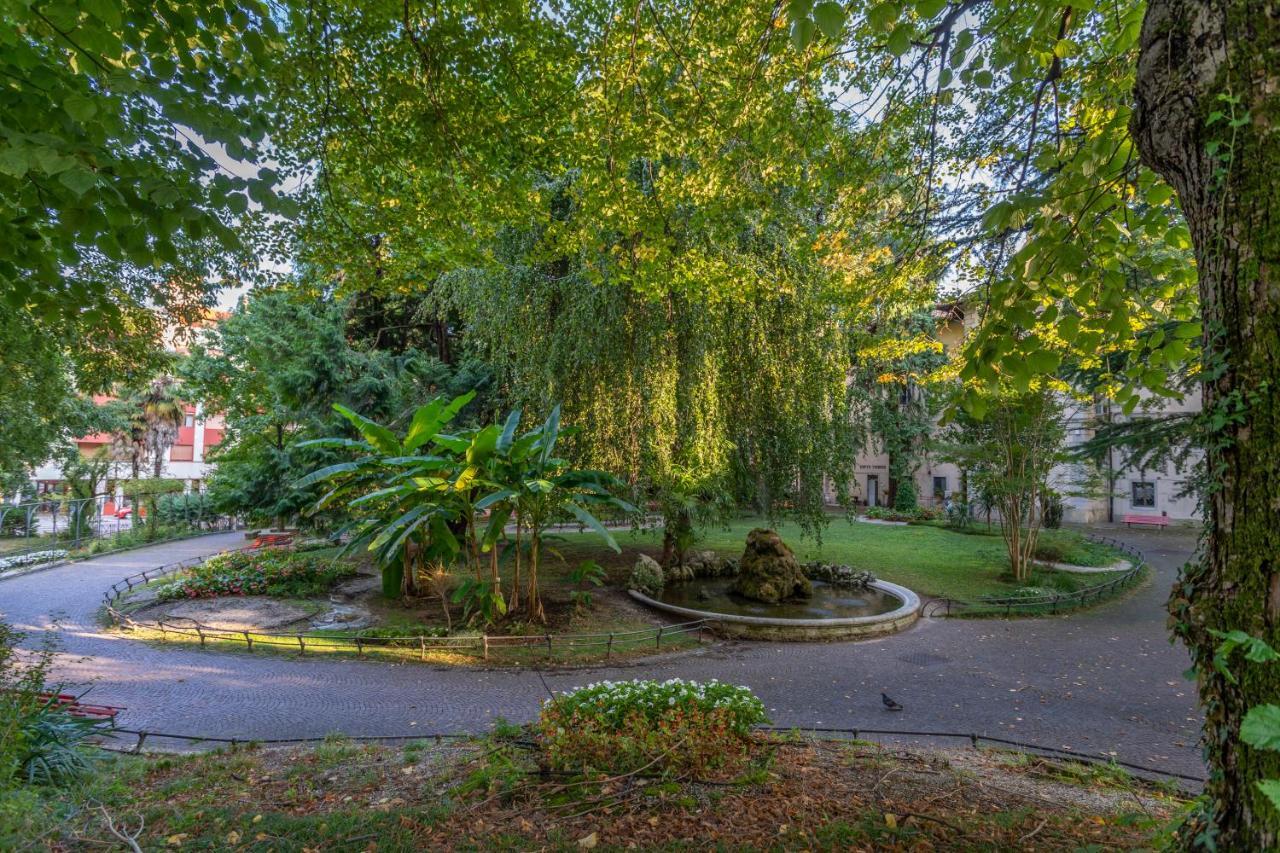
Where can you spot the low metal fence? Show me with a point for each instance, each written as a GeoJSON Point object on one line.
{"type": "Point", "coordinates": [61, 524]}
{"type": "Point", "coordinates": [972, 739]}
{"type": "Point", "coordinates": [483, 646]}
{"type": "Point", "coordinates": [1050, 603]}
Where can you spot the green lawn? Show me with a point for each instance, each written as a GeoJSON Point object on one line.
{"type": "Point", "coordinates": [928, 559]}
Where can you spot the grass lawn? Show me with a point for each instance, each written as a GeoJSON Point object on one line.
{"type": "Point", "coordinates": [488, 795]}
{"type": "Point", "coordinates": [928, 559]}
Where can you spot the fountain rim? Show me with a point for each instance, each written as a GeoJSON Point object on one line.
{"type": "Point", "coordinates": [910, 606]}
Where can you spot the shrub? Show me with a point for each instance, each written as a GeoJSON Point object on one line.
{"type": "Point", "coordinates": [920, 513]}
{"type": "Point", "coordinates": [904, 498]}
{"type": "Point", "coordinates": [647, 576]}
{"type": "Point", "coordinates": [14, 523]}
{"type": "Point", "coordinates": [40, 742]}
{"type": "Point", "coordinates": [959, 513]}
{"type": "Point", "coordinates": [1021, 593]}
{"type": "Point", "coordinates": [1051, 510]}
{"type": "Point", "coordinates": [663, 727]}
{"type": "Point", "coordinates": [189, 509]}
{"type": "Point", "coordinates": [272, 572]}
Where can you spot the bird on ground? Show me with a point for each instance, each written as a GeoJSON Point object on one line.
{"type": "Point", "coordinates": [889, 704]}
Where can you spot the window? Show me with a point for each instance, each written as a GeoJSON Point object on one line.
{"type": "Point", "coordinates": [939, 489]}
{"type": "Point", "coordinates": [189, 420]}
{"type": "Point", "coordinates": [1144, 495]}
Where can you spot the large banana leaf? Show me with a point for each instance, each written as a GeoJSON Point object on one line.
{"type": "Point", "coordinates": [379, 437]}
{"type": "Point", "coordinates": [594, 523]}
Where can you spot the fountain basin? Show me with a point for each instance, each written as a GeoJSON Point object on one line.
{"type": "Point", "coordinates": [834, 613]}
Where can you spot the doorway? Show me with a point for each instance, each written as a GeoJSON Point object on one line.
{"type": "Point", "coordinates": [873, 490]}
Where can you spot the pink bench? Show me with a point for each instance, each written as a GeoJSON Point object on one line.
{"type": "Point", "coordinates": [1151, 520]}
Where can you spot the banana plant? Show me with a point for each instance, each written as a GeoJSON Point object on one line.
{"type": "Point", "coordinates": [402, 492]}
{"type": "Point", "coordinates": [416, 499]}
{"type": "Point", "coordinates": [539, 489]}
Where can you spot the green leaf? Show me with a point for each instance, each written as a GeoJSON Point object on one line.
{"type": "Point", "coordinates": [997, 216]}
{"type": "Point", "coordinates": [550, 432]}
{"type": "Point", "coordinates": [983, 79]}
{"type": "Point", "coordinates": [830, 19]}
{"type": "Point", "coordinates": [883, 16]}
{"type": "Point", "coordinates": [509, 431]}
{"type": "Point", "coordinates": [1065, 48]}
{"type": "Point", "coordinates": [1159, 194]}
{"type": "Point", "coordinates": [15, 162]}
{"type": "Point", "coordinates": [1270, 789]}
{"type": "Point", "coordinates": [594, 523]}
{"type": "Point", "coordinates": [929, 8]}
{"type": "Point", "coordinates": [428, 420]}
{"type": "Point", "coordinates": [327, 472]}
{"type": "Point", "coordinates": [493, 498]}
{"type": "Point", "coordinates": [900, 40]}
{"type": "Point", "coordinates": [1043, 361]}
{"type": "Point", "coordinates": [80, 108]}
{"type": "Point", "coordinates": [378, 436]}
{"type": "Point", "coordinates": [78, 180]}
{"type": "Point", "coordinates": [802, 30]}
{"type": "Point", "coordinates": [1260, 727]}
{"type": "Point", "coordinates": [1187, 330]}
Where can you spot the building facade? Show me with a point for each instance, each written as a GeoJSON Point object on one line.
{"type": "Point", "coordinates": [1115, 489]}
{"type": "Point", "coordinates": [186, 460]}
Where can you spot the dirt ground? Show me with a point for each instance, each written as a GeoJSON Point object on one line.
{"type": "Point", "coordinates": [794, 794]}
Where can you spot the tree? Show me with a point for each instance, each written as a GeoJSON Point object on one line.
{"type": "Point", "coordinates": [410, 495]}
{"type": "Point", "coordinates": [1207, 103]}
{"type": "Point", "coordinates": [1086, 244]}
{"type": "Point", "coordinates": [1008, 456]}
{"type": "Point", "coordinates": [682, 288]}
{"type": "Point", "coordinates": [273, 369]}
{"type": "Point", "coordinates": [116, 217]}
{"type": "Point", "coordinates": [897, 395]}
{"type": "Point", "coordinates": [162, 414]}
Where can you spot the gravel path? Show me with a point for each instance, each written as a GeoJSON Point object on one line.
{"type": "Point", "coordinates": [1106, 680]}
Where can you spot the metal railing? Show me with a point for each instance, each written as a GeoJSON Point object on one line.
{"type": "Point", "coordinates": [481, 646]}
{"type": "Point", "coordinates": [1050, 603]}
{"type": "Point", "coordinates": [58, 523]}
{"type": "Point", "coordinates": [972, 739]}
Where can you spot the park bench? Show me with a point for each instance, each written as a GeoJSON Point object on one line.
{"type": "Point", "coordinates": [73, 706]}
{"type": "Point", "coordinates": [1151, 520]}
{"type": "Point", "coordinates": [272, 540]}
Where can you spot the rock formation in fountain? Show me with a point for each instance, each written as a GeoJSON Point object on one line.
{"type": "Point", "coordinates": [768, 571]}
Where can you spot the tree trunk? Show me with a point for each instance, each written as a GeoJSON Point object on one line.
{"type": "Point", "coordinates": [1198, 58]}
{"type": "Point", "coordinates": [676, 534]}
{"type": "Point", "coordinates": [533, 599]}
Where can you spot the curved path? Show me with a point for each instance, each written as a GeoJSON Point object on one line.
{"type": "Point", "coordinates": [1106, 680]}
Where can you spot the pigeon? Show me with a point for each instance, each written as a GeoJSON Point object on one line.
{"type": "Point", "coordinates": [889, 703]}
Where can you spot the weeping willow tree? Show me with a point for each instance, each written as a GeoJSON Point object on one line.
{"type": "Point", "coordinates": [701, 401]}
{"type": "Point", "coordinates": [651, 215]}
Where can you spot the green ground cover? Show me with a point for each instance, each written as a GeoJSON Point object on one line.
{"type": "Point", "coordinates": [929, 559]}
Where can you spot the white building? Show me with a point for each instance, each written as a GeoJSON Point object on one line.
{"type": "Point", "coordinates": [1115, 490]}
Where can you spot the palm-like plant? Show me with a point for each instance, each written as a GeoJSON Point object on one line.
{"type": "Point", "coordinates": [162, 416]}
{"type": "Point", "coordinates": [402, 498]}
{"type": "Point", "coordinates": [539, 488]}
{"type": "Point", "coordinates": [416, 499]}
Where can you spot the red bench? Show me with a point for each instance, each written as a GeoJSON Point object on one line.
{"type": "Point", "coordinates": [76, 708]}
{"type": "Point", "coordinates": [273, 540]}
{"type": "Point", "coordinates": [1152, 520]}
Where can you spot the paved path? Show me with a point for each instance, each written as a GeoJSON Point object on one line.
{"type": "Point", "coordinates": [1106, 680]}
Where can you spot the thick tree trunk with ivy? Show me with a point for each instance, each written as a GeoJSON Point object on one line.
{"type": "Point", "coordinates": [1208, 120]}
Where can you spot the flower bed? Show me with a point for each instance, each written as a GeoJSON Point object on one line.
{"type": "Point", "coordinates": [278, 573]}
{"type": "Point", "coordinates": [31, 559]}
{"type": "Point", "coordinates": [672, 726]}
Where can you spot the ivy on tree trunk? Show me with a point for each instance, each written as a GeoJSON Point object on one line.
{"type": "Point", "coordinates": [1208, 120]}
